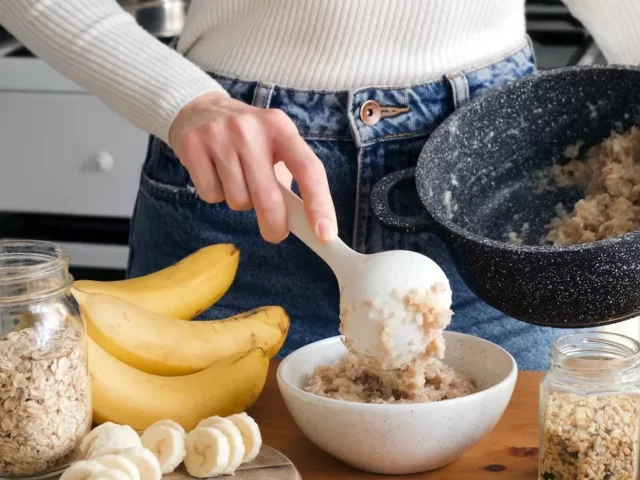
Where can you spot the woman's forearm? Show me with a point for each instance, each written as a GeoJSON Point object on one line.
{"type": "Point", "coordinates": [615, 26]}
{"type": "Point", "coordinates": [102, 48]}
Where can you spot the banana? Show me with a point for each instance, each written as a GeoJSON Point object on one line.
{"type": "Point", "coordinates": [124, 395]}
{"type": "Point", "coordinates": [146, 462]}
{"type": "Point", "coordinates": [113, 440]}
{"type": "Point", "coordinates": [251, 436]}
{"type": "Point", "coordinates": [163, 346]}
{"type": "Point", "coordinates": [169, 423]}
{"type": "Point", "coordinates": [109, 474]}
{"type": "Point", "coordinates": [167, 444]}
{"type": "Point", "coordinates": [182, 290]}
{"type": "Point", "coordinates": [85, 444]}
{"type": "Point", "coordinates": [82, 470]}
{"type": "Point", "coordinates": [119, 462]}
{"type": "Point", "coordinates": [210, 421]}
{"type": "Point", "coordinates": [236, 446]}
{"type": "Point", "coordinates": [208, 453]}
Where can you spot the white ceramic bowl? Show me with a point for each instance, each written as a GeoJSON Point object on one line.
{"type": "Point", "coordinates": [400, 438]}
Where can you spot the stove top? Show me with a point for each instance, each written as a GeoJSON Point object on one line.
{"type": "Point", "coordinates": [559, 39]}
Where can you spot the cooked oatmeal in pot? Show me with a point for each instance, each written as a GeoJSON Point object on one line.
{"type": "Point", "coordinates": [610, 177]}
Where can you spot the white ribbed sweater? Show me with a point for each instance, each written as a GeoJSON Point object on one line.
{"type": "Point", "coordinates": [318, 44]}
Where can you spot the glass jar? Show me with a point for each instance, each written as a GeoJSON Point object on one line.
{"type": "Point", "coordinates": [45, 399]}
{"type": "Point", "coordinates": [590, 408]}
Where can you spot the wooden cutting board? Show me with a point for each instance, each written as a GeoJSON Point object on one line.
{"type": "Point", "coordinates": [270, 464]}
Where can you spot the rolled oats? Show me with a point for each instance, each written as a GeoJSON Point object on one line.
{"type": "Point", "coordinates": [45, 401]}
{"type": "Point", "coordinates": [590, 437]}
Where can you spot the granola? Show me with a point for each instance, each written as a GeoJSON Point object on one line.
{"type": "Point", "coordinates": [590, 438]}
{"type": "Point", "coordinates": [45, 402]}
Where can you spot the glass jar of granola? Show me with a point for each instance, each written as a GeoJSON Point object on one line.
{"type": "Point", "coordinates": [45, 400]}
{"type": "Point", "coordinates": [590, 408]}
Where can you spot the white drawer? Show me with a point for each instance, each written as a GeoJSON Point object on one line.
{"type": "Point", "coordinates": [94, 255]}
{"type": "Point", "coordinates": [67, 153]}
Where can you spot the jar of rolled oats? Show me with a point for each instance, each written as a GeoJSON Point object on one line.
{"type": "Point", "coordinates": [45, 401]}
{"type": "Point", "coordinates": [590, 408]}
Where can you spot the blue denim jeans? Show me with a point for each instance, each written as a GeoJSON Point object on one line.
{"type": "Point", "coordinates": [170, 221]}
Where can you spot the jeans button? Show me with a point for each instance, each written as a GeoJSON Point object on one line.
{"type": "Point", "coordinates": [370, 113]}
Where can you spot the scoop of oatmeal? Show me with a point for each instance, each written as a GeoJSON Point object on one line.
{"type": "Point", "coordinates": [610, 177]}
{"type": "Point", "coordinates": [428, 380]}
{"type": "Point", "coordinates": [388, 376]}
{"type": "Point", "coordinates": [416, 318]}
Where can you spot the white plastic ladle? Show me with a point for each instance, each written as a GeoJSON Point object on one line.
{"type": "Point", "coordinates": [367, 282]}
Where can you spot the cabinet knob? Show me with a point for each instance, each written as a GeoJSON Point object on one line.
{"type": "Point", "coordinates": [103, 161]}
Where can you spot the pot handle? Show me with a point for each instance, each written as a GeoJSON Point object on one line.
{"type": "Point", "coordinates": [379, 199]}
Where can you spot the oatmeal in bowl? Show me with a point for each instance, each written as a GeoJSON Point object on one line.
{"type": "Point", "coordinates": [382, 425]}
{"type": "Point", "coordinates": [352, 380]}
{"type": "Point", "coordinates": [389, 376]}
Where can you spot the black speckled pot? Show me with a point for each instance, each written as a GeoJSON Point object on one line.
{"type": "Point", "coordinates": [482, 166]}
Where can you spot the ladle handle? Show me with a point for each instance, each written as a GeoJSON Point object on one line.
{"type": "Point", "coordinates": [335, 253]}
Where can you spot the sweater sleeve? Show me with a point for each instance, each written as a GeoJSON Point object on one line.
{"type": "Point", "coordinates": [102, 48]}
{"type": "Point", "coordinates": [614, 25]}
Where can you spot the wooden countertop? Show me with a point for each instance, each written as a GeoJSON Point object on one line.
{"type": "Point", "coordinates": [509, 452]}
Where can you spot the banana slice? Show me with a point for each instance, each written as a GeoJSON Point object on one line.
{"type": "Point", "coordinates": [113, 441]}
{"type": "Point", "coordinates": [109, 474]}
{"type": "Point", "coordinates": [251, 436]}
{"type": "Point", "coordinates": [169, 423]}
{"type": "Point", "coordinates": [236, 445]}
{"type": "Point", "coordinates": [85, 444]}
{"type": "Point", "coordinates": [118, 462]}
{"type": "Point", "coordinates": [208, 452]}
{"type": "Point", "coordinates": [146, 461]}
{"type": "Point", "coordinates": [167, 444]}
{"type": "Point", "coordinates": [233, 434]}
{"type": "Point", "coordinates": [210, 421]}
{"type": "Point", "coordinates": [81, 470]}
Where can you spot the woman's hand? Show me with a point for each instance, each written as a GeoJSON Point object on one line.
{"type": "Point", "coordinates": [230, 150]}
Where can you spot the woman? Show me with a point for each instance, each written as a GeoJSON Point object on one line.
{"type": "Point", "coordinates": [335, 92]}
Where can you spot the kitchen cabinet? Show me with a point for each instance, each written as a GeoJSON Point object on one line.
{"type": "Point", "coordinates": [63, 151]}
{"type": "Point", "coordinates": [66, 160]}
{"type": "Point", "coordinates": [67, 153]}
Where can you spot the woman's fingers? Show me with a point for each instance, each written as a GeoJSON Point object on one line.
{"type": "Point", "coordinates": [232, 151]}
{"type": "Point", "coordinates": [257, 165]}
{"type": "Point", "coordinates": [196, 159]}
{"type": "Point", "coordinates": [283, 174]}
{"type": "Point", "coordinates": [224, 147]}
{"type": "Point", "coordinates": [307, 169]}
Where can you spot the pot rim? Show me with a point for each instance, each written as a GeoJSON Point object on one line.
{"type": "Point", "coordinates": [453, 228]}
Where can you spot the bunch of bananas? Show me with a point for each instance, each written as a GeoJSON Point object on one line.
{"type": "Point", "coordinates": [147, 363]}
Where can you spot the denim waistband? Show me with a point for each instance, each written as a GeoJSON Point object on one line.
{"type": "Point", "coordinates": [373, 114]}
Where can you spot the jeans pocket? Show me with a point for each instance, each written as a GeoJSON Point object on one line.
{"type": "Point", "coordinates": [164, 177]}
